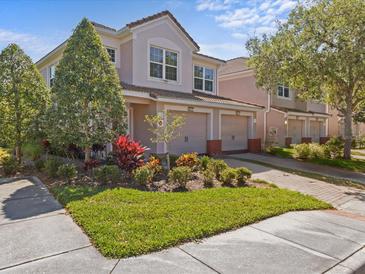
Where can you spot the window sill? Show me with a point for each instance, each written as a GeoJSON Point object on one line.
{"type": "Point", "coordinates": [165, 81]}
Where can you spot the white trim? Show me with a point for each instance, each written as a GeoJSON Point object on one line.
{"type": "Point", "coordinates": [214, 91]}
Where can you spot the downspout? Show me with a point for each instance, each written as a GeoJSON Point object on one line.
{"type": "Point", "coordinates": [267, 110]}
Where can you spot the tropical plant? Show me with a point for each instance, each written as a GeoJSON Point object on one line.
{"type": "Point", "coordinates": [208, 177]}
{"type": "Point", "coordinates": [243, 174]}
{"type": "Point", "coordinates": [108, 174]}
{"type": "Point", "coordinates": [188, 159]}
{"type": "Point", "coordinates": [204, 162]}
{"type": "Point", "coordinates": [143, 175]}
{"type": "Point", "coordinates": [4, 153]}
{"type": "Point", "coordinates": [88, 102]}
{"type": "Point", "coordinates": [67, 172]}
{"type": "Point", "coordinates": [33, 150]}
{"type": "Point", "coordinates": [180, 175]}
{"type": "Point", "coordinates": [10, 165]}
{"type": "Point", "coordinates": [128, 153]}
{"type": "Point", "coordinates": [51, 166]}
{"type": "Point", "coordinates": [217, 166]}
{"type": "Point", "coordinates": [23, 97]}
{"type": "Point", "coordinates": [334, 148]}
{"type": "Point", "coordinates": [302, 151]}
{"type": "Point", "coordinates": [164, 127]}
{"type": "Point", "coordinates": [154, 164]}
{"type": "Point", "coordinates": [229, 176]}
{"type": "Point", "coordinates": [319, 51]}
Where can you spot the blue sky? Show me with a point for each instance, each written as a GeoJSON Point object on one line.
{"type": "Point", "coordinates": [220, 27]}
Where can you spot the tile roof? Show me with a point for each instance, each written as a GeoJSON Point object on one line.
{"type": "Point", "coordinates": [195, 95]}
{"type": "Point", "coordinates": [300, 111]}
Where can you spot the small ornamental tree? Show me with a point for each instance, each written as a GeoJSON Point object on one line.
{"type": "Point", "coordinates": [165, 127]}
{"type": "Point", "coordinates": [88, 102]}
{"type": "Point", "coordinates": [319, 51]}
{"type": "Point", "coordinates": [23, 97]}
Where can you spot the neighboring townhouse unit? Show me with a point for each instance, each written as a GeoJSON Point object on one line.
{"type": "Point", "coordinates": [286, 119]}
{"type": "Point", "coordinates": [160, 68]}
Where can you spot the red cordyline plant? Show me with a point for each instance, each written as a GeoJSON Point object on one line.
{"type": "Point", "coordinates": [128, 153]}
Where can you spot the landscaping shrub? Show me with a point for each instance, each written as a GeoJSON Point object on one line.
{"type": "Point", "coordinates": [302, 151]}
{"type": "Point", "coordinates": [91, 164]}
{"type": "Point", "coordinates": [10, 165]}
{"type": "Point", "coordinates": [204, 161]}
{"type": "Point", "coordinates": [154, 164]}
{"type": "Point", "coordinates": [242, 175]}
{"type": "Point", "coordinates": [67, 171]}
{"type": "Point", "coordinates": [108, 174]}
{"type": "Point", "coordinates": [317, 151]}
{"type": "Point", "coordinates": [143, 175]}
{"type": "Point", "coordinates": [217, 166]}
{"type": "Point", "coordinates": [180, 175]}
{"type": "Point", "coordinates": [228, 176]}
{"type": "Point", "coordinates": [33, 150]}
{"type": "Point", "coordinates": [334, 148]}
{"type": "Point", "coordinates": [128, 153]}
{"type": "Point", "coordinates": [39, 164]}
{"type": "Point", "coordinates": [51, 166]}
{"type": "Point", "coordinates": [3, 154]}
{"type": "Point", "coordinates": [208, 177]}
{"type": "Point", "coordinates": [188, 159]}
{"type": "Point", "coordinates": [361, 141]}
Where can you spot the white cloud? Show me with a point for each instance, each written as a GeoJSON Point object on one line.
{"type": "Point", "coordinates": [240, 35]}
{"type": "Point", "coordinates": [238, 18]}
{"type": "Point", "coordinates": [224, 50]}
{"type": "Point", "coordinates": [214, 5]}
{"type": "Point", "coordinates": [33, 45]}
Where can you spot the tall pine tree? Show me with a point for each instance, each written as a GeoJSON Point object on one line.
{"type": "Point", "coordinates": [88, 101]}
{"type": "Point", "coordinates": [23, 97]}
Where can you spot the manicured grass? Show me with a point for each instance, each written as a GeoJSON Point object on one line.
{"type": "Point", "coordinates": [359, 153]}
{"type": "Point", "coordinates": [124, 222]}
{"type": "Point", "coordinates": [353, 164]}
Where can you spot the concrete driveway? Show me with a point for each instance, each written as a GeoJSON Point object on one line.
{"type": "Point", "coordinates": [37, 236]}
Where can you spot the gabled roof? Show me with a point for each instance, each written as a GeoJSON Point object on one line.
{"type": "Point", "coordinates": [235, 65]}
{"type": "Point", "coordinates": [194, 95]}
{"type": "Point", "coordinates": [158, 15]}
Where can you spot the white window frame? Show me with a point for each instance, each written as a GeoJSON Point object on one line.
{"type": "Point", "coordinates": [283, 96]}
{"type": "Point", "coordinates": [50, 74]}
{"type": "Point", "coordinates": [213, 80]}
{"type": "Point", "coordinates": [164, 65]}
{"type": "Point", "coordinates": [115, 54]}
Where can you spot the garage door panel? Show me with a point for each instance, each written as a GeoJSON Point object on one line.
{"type": "Point", "coordinates": [193, 134]}
{"type": "Point", "coordinates": [315, 130]}
{"type": "Point", "coordinates": [234, 132]}
{"type": "Point", "coordinates": [295, 130]}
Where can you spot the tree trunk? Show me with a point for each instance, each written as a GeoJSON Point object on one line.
{"type": "Point", "coordinates": [348, 132]}
{"type": "Point", "coordinates": [168, 160]}
{"type": "Point", "coordinates": [87, 154]}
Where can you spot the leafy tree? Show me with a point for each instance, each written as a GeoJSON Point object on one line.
{"type": "Point", "coordinates": [23, 97]}
{"type": "Point", "coordinates": [165, 127]}
{"type": "Point", "coordinates": [88, 101]}
{"type": "Point", "coordinates": [320, 51]}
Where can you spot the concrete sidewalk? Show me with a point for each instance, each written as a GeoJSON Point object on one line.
{"type": "Point", "coordinates": [341, 197]}
{"type": "Point", "coordinates": [303, 166]}
{"type": "Point", "coordinates": [37, 236]}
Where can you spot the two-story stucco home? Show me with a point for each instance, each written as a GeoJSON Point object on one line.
{"type": "Point", "coordinates": [286, 119]}
{"type": "Point", "coordinates": [160, 68]}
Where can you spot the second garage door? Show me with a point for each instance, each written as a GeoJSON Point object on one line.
{"type": "Point", "coordinates": [315, 130]}
{"type": "Point", "coordinates": [234, 132]}
{"type": "Point", "coordinates": [193, 137]}
{"type": "Point", "coordinates": [295, 130]}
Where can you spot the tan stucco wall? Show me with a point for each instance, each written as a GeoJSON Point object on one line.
{"type": "Point", "coordinates": [126, 68]}
{"type": "Point", "coordinates": [161, 34]}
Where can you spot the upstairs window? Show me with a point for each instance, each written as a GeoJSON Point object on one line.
{"type": "Point", "coordinates": [52, 74]}
{"type": "Point", "coordinates": [203, 78]}
{"type": "Point", "coordinates": [163, 64]}
{"type": "Point", "coordinates": [283, 91]}
{"type": "Point", "coordinates": [111, 53]}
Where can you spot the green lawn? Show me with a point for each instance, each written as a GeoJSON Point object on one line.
{"type": "Point", "coordinates": [356, 152]}
{"type": "Point", "coordinates": [124, 222]}
{"type": "Point", "coordinates": [353, 164]}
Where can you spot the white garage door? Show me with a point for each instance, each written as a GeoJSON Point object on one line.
{"type": "Point", "coordinates": [295, 130]}
{"type": "Point", "coordinates": [315, 130]}
{"type": "Point", "coordinates": [234, 132]}
{"type": "Point", "coordinates": [193, 137]}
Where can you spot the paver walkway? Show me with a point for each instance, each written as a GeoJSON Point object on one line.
{"type": "Point", "coordinates": [303, 166]}
{"type": "Point", "coordinates": [341, 197]}
{"type": "Point", "coordinates": [37, 236]}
